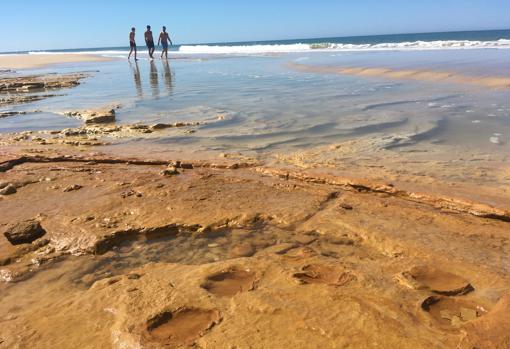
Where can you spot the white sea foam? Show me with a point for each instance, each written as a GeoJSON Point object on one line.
{"type": "Point", "coordinates": [245, 49]}
{"type": "Point", "coordinates": [300, 47]}
{"type": "Point", "coordinates": [401, 46]}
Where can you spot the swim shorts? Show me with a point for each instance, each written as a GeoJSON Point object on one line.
{"type": "Point", "coordinates": [150, 44]}
{"type": "Point", "coordinates": [164, 44]}
{"type": "Point", "coordinates": [132, 44]}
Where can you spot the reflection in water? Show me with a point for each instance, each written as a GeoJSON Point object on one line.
{"type": "Point", "coordinates": [154, 80]}
{"type": "Point", "coordinates": [167, 73]}
{"type": "Point", "coordinates": [138, 79]}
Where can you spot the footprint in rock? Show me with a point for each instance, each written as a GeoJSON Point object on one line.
{"type": "Point", "coordinates": [452, 312]}
{"type": "Point", "coordinates": [435, 280]}
{"type": "Point", "coordinates": [300, 253]}
{"type": "Point", "coordinates": [323, 274]}
{"type": "Point", "coordinates": [231, 282]}
{"type": "Point", "coordinates": [181, 327]}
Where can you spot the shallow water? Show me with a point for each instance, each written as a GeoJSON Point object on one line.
{"type": "Point", "coordinates": [269, 106]}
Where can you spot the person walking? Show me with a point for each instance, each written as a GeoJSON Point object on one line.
{"type": "Point", "coordinates": [132, 43]}
{"type": "Point", "coordinates": [164, 39]}
{"type": "Point", "coordinates": [149, 41]}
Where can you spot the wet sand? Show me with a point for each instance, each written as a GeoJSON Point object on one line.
{"type": "Point", "coordinates": [496, 82]}
{"type": "Point", "coordinates": [348, 244]}
{"type": "Point", "coordinates": [26, 61]}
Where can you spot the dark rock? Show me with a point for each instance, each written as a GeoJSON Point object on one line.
{"type": "Point", "coordinates": [186, 166]}
{"type": "Point", "coordinates": [73, 187]}
{"type": "Point", "coordinates": [8, 190]}
{"type": "Point", "coordinates": [24, 232]}
{"type": "Point", "coordinates": [170, 171]}
{"type": "Point", "coordinates": [346, 206]}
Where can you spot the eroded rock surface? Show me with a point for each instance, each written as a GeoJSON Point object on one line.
{"type": "Point", "coordinates": [24, 89]}
{"type": "Point", "coordinates": [233, 254]}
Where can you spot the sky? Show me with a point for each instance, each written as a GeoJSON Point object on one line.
{"type": "Point", "coordinates": [58, 24]}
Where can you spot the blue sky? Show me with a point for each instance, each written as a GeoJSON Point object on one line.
{"type": "Point", "coordinates": [47, 24]}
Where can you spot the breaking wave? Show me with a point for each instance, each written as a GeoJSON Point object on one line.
{"type": "Point", "coordinates": [301, 47]}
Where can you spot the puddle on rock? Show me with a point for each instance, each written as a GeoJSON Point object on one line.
{"type": "Point", "coordinates": [452, 312]}
{"type": "Point", "coordinates": [185, 248]}
{"type": "Point", "coordinates": [231, 282]}
{"type": "Point", "coordinates": [180, 328]}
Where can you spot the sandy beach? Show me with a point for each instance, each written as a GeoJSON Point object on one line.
{"type": "Point", "coordinates": [27, 61]}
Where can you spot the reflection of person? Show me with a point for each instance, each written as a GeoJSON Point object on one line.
{"type": "Point", "coordinates": [154, 80]}
{"type": "Point", "coordinates": [164, 39]}
{"type": "Point", "coordinates": [132, 43]}
{"type": "Point", "coordinates": [168, 76]}
{"type": "Point", "coordinates": [138, 79]}
{"type": "Point", "coordinates": [149, 41]}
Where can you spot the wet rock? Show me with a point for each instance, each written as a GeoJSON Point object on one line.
{"type": "Point", "coordinates": [134, 276]}
{"type": "Point", "coordinates": [243, 249]}
{"type": "Point", "coordinates": [131, 192]}
{"type": "Point", "coordinates": [73, 187]}
{"type": "Point", "coordinates": [435, 280]}
{"type": "Point", "coordinates": [467, 314]}
{"type": "Point", "coordinates": [8, 189]}
{"type": "Point", "coordinates": [180, 328]}
{"type": "Point", "coordinates": [346, 206]}
{"type": "Point", "coordinates": [94, 116]}
{"type": "Point", "coordinates": [281, 248]}
{"type": "Point", "coordinates": [452, 311]}
{"type": "Point", "coordinates": [170, 171]}
{"type": "Point", "coordinates": [305, 239]}
{"type": "Point", "coordinates": [186, 166]}
{"type": "Point", "coordinates": [230, 283]}
{"type": "Point", "coordinates": [162, 126]}
{"type": "Point", "coordinates": [490, 331]}
{"type": "Point", "coordinates": [4, 114]}
{"type": "Point", "coordinates": [24, 232]}
{"type": "Point", "coordinates": [31, 83]}
{"type": "Point", "coordinates": [341, 240]}
{"type": "Point", "coordinates": [324, 274]}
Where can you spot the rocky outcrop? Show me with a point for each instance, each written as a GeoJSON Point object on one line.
{"type": "Point", "coordinates": [5, 114]}
{"type": "Point", "coordinates": [26, 89]}
{"type": "Point", "coordinates": [24, 232]}
{"type": "Point", "coordinates": [35, 83]}
{"type": "Point", "coordinates": [100, 116]}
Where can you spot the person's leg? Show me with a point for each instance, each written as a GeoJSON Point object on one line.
{"type": "Point", "coordinates": [135, 54]}
{"type": "Point", "coordinates": [129, 55]}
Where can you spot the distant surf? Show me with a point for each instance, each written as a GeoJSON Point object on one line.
{"type": "Point", "coordinates": [491, 39]}
{"type": "Point", "coordinates": [328, 46]}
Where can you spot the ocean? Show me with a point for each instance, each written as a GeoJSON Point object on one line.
{"type": "Point", "coordinates": [496, 39]}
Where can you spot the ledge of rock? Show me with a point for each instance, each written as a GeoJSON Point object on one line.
{"type": "Point", "coordinates": [101, 116]}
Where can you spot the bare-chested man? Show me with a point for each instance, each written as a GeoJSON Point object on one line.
{"type": "Point", "coordinates": [164, 39]}
{"type": "Point", "coordinates": [149, 40]}
{"type": "Point", "coordinates": [132, 43]}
